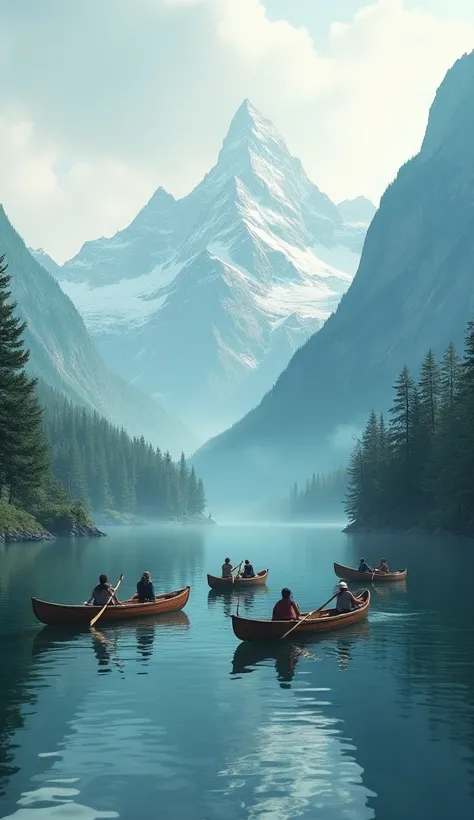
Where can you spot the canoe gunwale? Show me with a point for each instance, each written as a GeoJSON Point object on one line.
{"type": "Point", "coordinates": [56, 614]}
{"type": "Point", "coordinates": [259, 579]}
{"type": "Point", "coordinates": [248, 629]}
{"type": "Point", "coordinates": [351, 574]}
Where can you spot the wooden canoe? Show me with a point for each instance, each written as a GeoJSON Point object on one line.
{"type": "Point", "coordinates": [64, 614]}
{"type": "Point", "coordinates": [350, 574]}
{"type": "Point", "coordinates": [229, 583]}
{"type": "Point", "coordinates": [246, 629]}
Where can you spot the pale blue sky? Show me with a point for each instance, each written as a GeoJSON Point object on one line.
{"type": "Point", "coordinates": [102, 102]}
{"type": "Point", "coordinates": [317, 15]}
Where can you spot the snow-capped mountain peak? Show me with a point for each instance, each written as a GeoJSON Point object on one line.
{"type": "Point", "coordinates": [204, 299]}
{"type": "Point", "coordinates": [250, 128]}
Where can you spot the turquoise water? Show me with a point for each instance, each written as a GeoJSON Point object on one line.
{"type": "Point", "coordinates": [171, 717]}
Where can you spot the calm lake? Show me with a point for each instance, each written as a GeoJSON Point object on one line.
{"type": "Point", "coordinates": [173, 718]}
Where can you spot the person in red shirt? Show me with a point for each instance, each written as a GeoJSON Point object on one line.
{"type": "Point", "coordinates": [285, 609]}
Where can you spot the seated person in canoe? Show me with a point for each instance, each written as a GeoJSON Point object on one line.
{"type": "Point", "coordinates": [102, 592]}
{"type": "Point", "coordinates": [286, 609]}
{"type": "Point", "coordinates": [345, 600]}
{"type": "Point", "coordinates": [145, 589]}
{"type": "Point", "coordinates": [382, 567]}
{"type": "Point", "coordinates": [363, 566]}
{"type": "Point", "coordinates": [248, 570]}
{"type": "Point", "coordinates": [227, 569]}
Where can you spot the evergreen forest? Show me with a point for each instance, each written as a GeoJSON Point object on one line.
{"type": "Point", "coordinates": [415, 469]}
{"type": "Point", "coordinates": [320, 499]}
{"type": "Point", "coordinates": [109, 471]}
{"type": "Point", "coordinates": [59, 462]}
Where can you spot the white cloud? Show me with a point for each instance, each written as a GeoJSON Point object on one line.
{"type": "Point", "coordinates": [103, 102]}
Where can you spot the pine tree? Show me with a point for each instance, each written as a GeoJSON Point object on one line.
{"type": "Point", "coordinates": [401, 414]}
{"type": "Point", "coordinates": [103, 498]}
{"type": "Point", "coordinates": [429, 390]}
{"type": "Point", "coordinates": [192, 493]}
{"type": "Point", "coordinates": [76, 474]}
{"type": "Point", "coordinates": [183, 484]}
{"type": "Point", "coordinates": [23, 452]}
{"type": "Point", "coordinates": [355, 479]}
{"type": "Point", "coordinates": [450, 376]}
{"type": "Point", "coordinates": [200, 497]}
{"type": "Point", "coordinates": [465, 435]}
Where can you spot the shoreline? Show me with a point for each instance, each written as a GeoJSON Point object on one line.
{"type": "Point", "coordinates": [355, 529]}
{"type": "Point", "coordinates": [126, 520]}
{"type": "Point", "coordinates": [20, 536]}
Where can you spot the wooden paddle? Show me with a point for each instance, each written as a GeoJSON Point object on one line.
{"type": "Point", "coordinates": [96, 617]}
{"type": "Point", "coordinates": [307, 616]}
{"type": "Point", "coordinates": [237, 566]}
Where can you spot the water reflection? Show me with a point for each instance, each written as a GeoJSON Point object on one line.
{"type": "Point", "coordinates": [16, 669]}
{"type": "Point", "coordinates": [223, 601]}
{"type": "Point", "coordinates": [236, 601]}
{"type": "Point", "coordinates": [106, 651]}
{"type": "Point", "coordinates": [285, 655]}
{"type": "Point", "coordinates": [106, 642]}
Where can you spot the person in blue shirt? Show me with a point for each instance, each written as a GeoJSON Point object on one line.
{"type": "Point", "coordinates": [145, 589]}
{"type": "Point", "coordinates": [363, 566]}
{"type": "Point", "coordinates": [248, 570]}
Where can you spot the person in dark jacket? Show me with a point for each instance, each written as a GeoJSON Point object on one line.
{"type": "Point", "coordinates": [145, 589]}
{"type": "Point", "coordinates": [363, 566]}
{"type": "Point", "coordinates": [248, 570]}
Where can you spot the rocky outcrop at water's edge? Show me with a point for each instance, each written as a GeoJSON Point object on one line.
{"type": "Point", "coordinates": [9, 536]}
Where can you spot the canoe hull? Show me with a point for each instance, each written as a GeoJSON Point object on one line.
{"type": "Point", "coordinates": [224, 583]}
{"type": "Point", "coordinates": [64, 614]}
{"type": "Point", "coordinates": [246, 629]}
{"type": "Point", "coordinates": [350, 574]}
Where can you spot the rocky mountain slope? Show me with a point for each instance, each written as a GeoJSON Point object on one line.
{"type": "Point", "coordinates": [413, 290]}
{"type": "Point", "coordinates": [203, 300]}
{"type": "Point", "coordinates": [65, 357]}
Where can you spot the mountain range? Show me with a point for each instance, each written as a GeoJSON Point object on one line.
{"type": "Point", "coordinates": [413, 291]}
{"type": "Point", "coordinates": [64, 356]}
{"type": "Point", "coordinates": [203, 300]}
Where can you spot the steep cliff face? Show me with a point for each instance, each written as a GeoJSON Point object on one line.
{"type": "Point", "coordinates": [414, 289]}
{"type": "Point", "coordinates": [65, 357]}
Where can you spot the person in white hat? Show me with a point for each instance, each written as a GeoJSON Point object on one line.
{"type": "Point", "coordinates": [345, 600]}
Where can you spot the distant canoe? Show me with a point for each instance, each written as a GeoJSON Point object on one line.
{"type": "Point", "coordinates": [65, 614]}
{"type": "Point", "coordinates": [246, 629]}
{"type": "Point", "coordinates": [228, 583]}
{"type": "Point", "coordinates": [350, 574]}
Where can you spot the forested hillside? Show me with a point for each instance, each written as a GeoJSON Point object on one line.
{"type": "Point", "coordinates": [417, 470]}
{"type": "Point", "coordinates": [108, 470]}
{"type": "Point", "coordinates": [59, 462]}
{"type": "Point", "coordinates": [321, 498]}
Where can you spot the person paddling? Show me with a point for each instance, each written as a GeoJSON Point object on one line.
{"type": "Point", "coordinates": [383, 567]}
{"type": "Point", "coordinates": [227, 569]}
{"type": "Point", "coordinates": [364, 567]}
{"type": "Point", "coordinates": [102, 592]}
{"type": "Point", "coordinates": [286, 609]}
{"type": "Point", "coordinates": [345, 600]}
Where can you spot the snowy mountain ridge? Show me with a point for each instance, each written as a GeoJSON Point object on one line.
{"type": "Point", "coordinates": [203, 300]}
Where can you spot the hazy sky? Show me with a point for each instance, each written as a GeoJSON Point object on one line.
{"type": "Point", "coordinates": [102, 101]}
